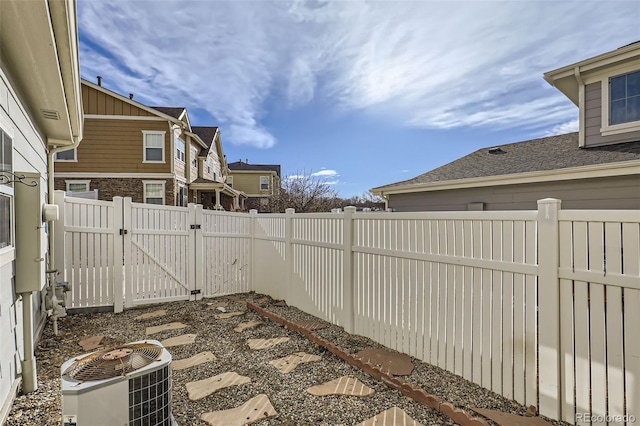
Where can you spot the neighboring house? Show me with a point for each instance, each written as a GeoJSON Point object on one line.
{"type": "Point", "coordinates": [40, 112]}
{"type": "Point", "coordinates": [596, 168]}
{"type": "Point", "coordinates": [260, 182]}
{"type": "Point", "coordinates": [132, 150]}
{"type": "Point", "coordinates": [210, 188]}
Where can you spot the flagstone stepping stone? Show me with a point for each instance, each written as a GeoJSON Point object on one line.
{"type": "Point", "coordinates": [263, 300]}
{"type": "Point", "coordinates": [154, 314]}
{"type": "Point", "coordinates": [246, 325]}
{"type": "Point", "coordinates": [257, 408]}
{"type": "Point", "coordinates": [266, 343]}
{"type": "Point", "coordinates": [202, 388]}
{"type": "Point", "coordinates": [312, 325]}
{"type": "Point", "coordinates": [228, 315]}
{"type": "Point", "coordinates": [236, 299]}
{"type": "Point", "coordinates": [281, 303]}
{"type": "Point", "coordinates": [91, 342]}
{"type": "Point", "coordinates": [288, 363]}
{"type": "Point", "coordinates": [164, 327]}
{"type": "Point", "coordinates": [391, 417]}
{"type": "Point", "coordinates": [392, 362]}
{"type": "Point", "coordinates": [184, 339]}
{"type": "Point", "coordinates": [508, 419]}
{"type": "Point", "coordinates": [344, 385]}
{"type": "Point", "coordinates": [215, 305]}
{"type": "Point", "coordinates": [197, 359]}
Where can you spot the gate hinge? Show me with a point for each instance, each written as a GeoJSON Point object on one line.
{"type": "Point", "coordinates": [123, 232]}
{"type": "Point", "coordinates": [195, 226]}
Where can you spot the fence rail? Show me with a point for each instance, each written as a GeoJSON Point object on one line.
{"type": "Point", "coordinates": [539, 306]}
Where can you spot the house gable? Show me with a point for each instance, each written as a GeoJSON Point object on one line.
{"type": "Point", "coordinates": [98, 102]}
{"type": "Point", "coordinates": [606, 116]}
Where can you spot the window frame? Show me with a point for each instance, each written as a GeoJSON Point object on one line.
{"type": "Point", "coordinates": [603, 79]}
{"type": "Point", "coordinates": [73, 160]}
{"type": "Point", "coordinates": [7, 253]}
{"type": "Point", "coordinates": [78, 182]}
{"type": "Point", "coordinates": [229, 181]}
{"type": "Point", "coordinates": [183, 151]}
{"type": "Point", "coordinates": [144, 145]}
{"type": "Point", "coordinates": [268, 183]}
{"type": "Point", "coordinates": [153, 182]}
{"type": "Point", "coordinates": [194, 157]}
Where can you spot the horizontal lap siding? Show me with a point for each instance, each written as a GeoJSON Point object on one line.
{"type": "Point", "coordinates": [597, 193]}
{"type": "Point", "coordinates": [117, 146]}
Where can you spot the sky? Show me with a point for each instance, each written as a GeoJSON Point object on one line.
{"type": "Point", "coordinates": [360, 93]}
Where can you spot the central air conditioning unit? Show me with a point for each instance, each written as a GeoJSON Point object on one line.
{"type": "Point", "coordinates": [126, 385]}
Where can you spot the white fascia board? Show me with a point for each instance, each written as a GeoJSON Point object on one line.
{"type": "Point", "coordinates": [197, 139]}
{"type": "Point", "coordinates": [131, 102]}
{"type": "Point", "coordinates": [572, 173]}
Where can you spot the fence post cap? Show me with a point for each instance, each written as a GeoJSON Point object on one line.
{"type": "Point", "coordinates": [253, 211]}
{"type": "Point", "coordinates": [549, 201]}
{"type": "Point", "coordinates": [290, 211]}
{"type": "Point", "coordinates": [350, 209]}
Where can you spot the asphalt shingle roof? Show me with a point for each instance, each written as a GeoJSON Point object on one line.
{"type": "Point", "coordinates": [206, 133]}
{"type": "Point", "coordinates": [239, 165]}
{"type": "Point", "coordinates": [174, 112]}
{"type": "Point", "coordinates": [550, 153]}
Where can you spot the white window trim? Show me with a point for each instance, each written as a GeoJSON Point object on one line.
{"type": "Point", "coordinates": [607, 129]}
{"type": "Point", "coordinates": [184, 152]}
{"type": "Point", "coordinates": [75, 156]}
{"type": "Point", "coordinates": [268, 183]}
{"type": "Point", "coordinates": [144, 146]}
{"type": "Point", "coordinates": [7, 254]}
{"type": "Point", "coordinates": [229, 181]}
{"type": "Point", "coordinates": [77, 182]}
{"type": "Point", "coordinates": [144, 189]}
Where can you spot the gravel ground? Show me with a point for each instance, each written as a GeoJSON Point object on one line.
{"type": "Point", "coordinates": [286, 392]}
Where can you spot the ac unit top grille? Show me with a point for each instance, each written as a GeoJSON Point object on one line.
{"type": "Point", "coordinates": [113, 362]}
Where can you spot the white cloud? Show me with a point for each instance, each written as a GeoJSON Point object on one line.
{"type": "Point", "coordinates": [425, 64]}
{"type": "Point", "coordinates": [325, 173]}
{"type": "Point", "coordinates": [568, 127]}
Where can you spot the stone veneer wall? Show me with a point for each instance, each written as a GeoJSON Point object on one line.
{"type": "Point", "coordinates": [123, 187]}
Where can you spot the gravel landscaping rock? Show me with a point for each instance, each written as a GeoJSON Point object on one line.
{"type": "Point", "coordinates": [287, 392]}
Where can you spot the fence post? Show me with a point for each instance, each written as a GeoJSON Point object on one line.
{"type": "Point", "coordinates": [127, 280]}
{"type": "Point", "coordinates": [288, 253]}
{"type": "Point", "coordinates": [253, 214]}
{"type": "Point", "coordinates": [198, 248]}
{"type": "Point", "coordinates": [58, 236]}
{"type": "Point", "coordinates": [349, 302]}
{"type": "Point", "coordinates": [549, 309]}
{"type": "Point", "coordinates": [118, 255]}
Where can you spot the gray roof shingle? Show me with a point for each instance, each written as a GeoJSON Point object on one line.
{"type": "Point", "coordinates": [549, 153]}
{"type": "Point", "coordinates": [239, 165]}
{"type": "Point", "coordinates": [174, 112]}
{"type": "Point", "coordinates": [207, 134]}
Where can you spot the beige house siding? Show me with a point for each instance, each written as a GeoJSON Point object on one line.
{"type": "Point", "coordinates": [249, 182]}
{"type": "Point", "coordinates": [597, 193]}
{"type": "Point", "coordinates": [117, 146]}
{"type": "Point", "coordinates": [96, 102]}
{"type": "Point", "coordinates": [194, 150]}
{"type": "Point", "coordinates": [593, 120]}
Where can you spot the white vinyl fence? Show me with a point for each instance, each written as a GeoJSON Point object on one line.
{"type": "Point", "coordinates": [541, 306]}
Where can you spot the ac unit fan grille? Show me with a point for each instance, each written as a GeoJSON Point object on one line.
{"type": "Point", "coordinates": [113, 362]}
{"type": "Point", "coordinates": [150, 399]}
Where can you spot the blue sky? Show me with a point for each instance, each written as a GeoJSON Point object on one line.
{"type": "Point", "coordinates": [365, 93]}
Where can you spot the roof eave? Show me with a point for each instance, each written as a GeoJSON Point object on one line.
{"type": "Point", "coordinates": [570, 173]}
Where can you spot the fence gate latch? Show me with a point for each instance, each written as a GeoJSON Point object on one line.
{"type": "Point", "coordinates": [123, 232]}
{"type": "Point", "coordinates": [195, 226]}
{"type": "Point", "coordinates": [194, 292]}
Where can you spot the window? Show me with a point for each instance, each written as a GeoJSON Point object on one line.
{"type": "Point", "coordinates": [69, 155]}
{"type": "Point", "coordinates": [78, 185]}
{"type": "Point", "coordinates": [180, 149]}
{"type": "Point", "coordinates": [264, 183]}
{"type": "Point", "coordinates": [194, 158]}
{"type": "Point", "coordinates": [154, 192]}
{"type": "Point", "coordinates": [153, 147]}
{"type": "Point", "coordinates": [6, 192]}
{"type": "Point", "coordinates": [182, 197]}
{"type": "Point", "coordinates": [230, 181]}
{"type": "Point", "coordinates": [624, 92]}
{"type": "Point", "coordinates": [209, 164]}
